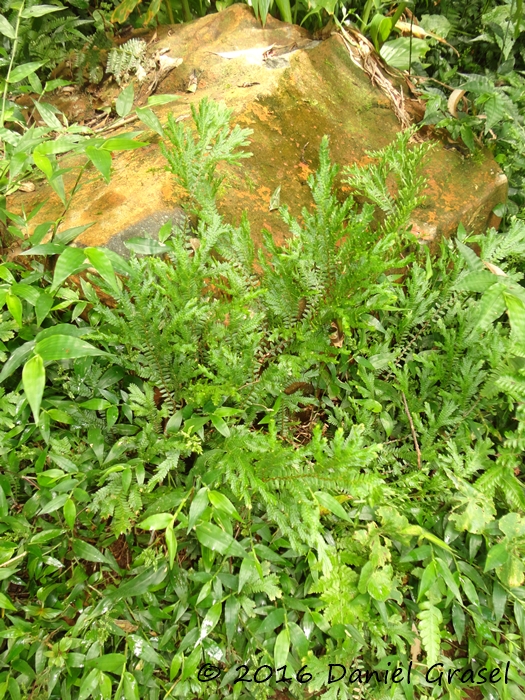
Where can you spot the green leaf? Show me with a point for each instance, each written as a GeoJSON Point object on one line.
{"type": "Point", "coordinates": [231, 616]}
{"type": "Point", "coordinates": [89, 685]}
{"type": "Point", "coordinates": [449, 579]}
{"type": "Point", "coordinates": [478, 281]}
{"type": "Point", "coordinates": [516, 312]}
{"type": "Point", "coordinates": [430, 620]}
{"type": "Point", "coordinates": [220, 425]}
{"type": "Point", "coordinates": [70, 513]}
{"type": "Point", "coordinates": [150, 119]}
{"type": "Point", "coordinates": [112, 663]}
{"type": "Point", "coordinates": [122, 144]}
{"type": "Point", "coordinates": [103, 266]}
{"type": "Point", "coordinates": [5, 602]}
{"type": "Point", "coordinates": [22, 71]}
{"type": "Point", "coordinates": [4, 510]}
{"type": "Point", "coordinates": [6, 28]}
{"type": "Point", "coordinates": [140, 584]}
{"type": "Point", "coordinates": [65, 347]}
{"type": "Point", "coordinates": [329, 502]}
{"type": "Point", "coordinates": [223, 503]}
{"type": "Point", "coordinates": [156, 522]}
{"type": "Point", "coordinates": [16, 358]}
{"type": "Point", "coordinates": [15, 308]}
{"type": "Point", "coordinates": [122, 11]}
{"type": "Point", "coordinates": [54, 504]}
{"type": "Point", "coordinates": [458, 620]}
{"type": "Point", "coordinates": [281, 648]}
{"type": "Point", "coordinates": [86, 551]}
{"type": "Point", "coordinates": [198, 506]}
{"type": "Point", "coordinates": [145, 246]}
{"type": "Point", "coordinates": [131, 687]}
{"type": "Point", "coordinates": [43, 306]}
{"type": "Point", "coordinates": [34, 381]}
{"type": "Point", "coordinates": [124, 103]}
{"type": "Point", "coordinates": [101, 159]}
{"type": "Point", "coordinates": [40, 10]}
{"type": "Point", "coordinates": [95, 404]}
{"type": "Point", "coordinates": [218, 540]}
{"type": "Point", "coordinates": [171, 544]}
{"type": "Point", "coordinates": [499, 600]}
{"type": "Point", "coordinates": [210, 620]}
{"type": "Point", "coordinates": [379, 584]}
{"type": "Point", "coordinates": [397, 53]}
{"type": "Point", "coordinates": [155, 100]}
{"type": "Point", "coordinates": [497, 556]}
{"type": "Point", "coordinates": [69, 262]}
{"type": "Point", "coordinates": [48, 115]}
{"type": "Point", "coordinates": [491, 306]}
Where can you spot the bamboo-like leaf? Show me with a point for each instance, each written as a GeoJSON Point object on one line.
{"type": "Point", "coordinates": [34, 381]}
{"type": "Point", "coordinates": [65, 347]}
{"type": "Point", "coordinates": [69, 262]}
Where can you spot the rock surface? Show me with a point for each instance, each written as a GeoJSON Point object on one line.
{"type": "Point", "coordinates": [290, 97]}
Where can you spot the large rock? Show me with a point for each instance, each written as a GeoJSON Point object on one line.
{"type": "Point", "coordinates": [289, 97]}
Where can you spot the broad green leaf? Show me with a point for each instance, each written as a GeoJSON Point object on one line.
{"type": "Point", "coordinates": [34, 381]}
{"type": "Point", "coordinates": [211, 618]}
{"type": "Point", "coordinates": [497, 556]}
{"type": "Point", "coordinates": [113, 663]}
{"type": "Point", "coordinates": [6, 28]}
{"type": "Point", "coordinates": [16, 358]}
{"type": "Point", "coordinates": [217, 540]}
{"type": "Point", "coordinates": [43, 306]}
{"type": "Point", "coordinates": [156, 522]}
{"type": "Point", "coordinates": [124, 103]}
{"type": "Point", "coordinates": [54, 504]}
{"type": "Point", "coordinates": [22, 71]}
{"type": "Point", "coordinates": [231, 616]}
{"type": "Point", "coordinates": [152, 12]}
{"type": "Point", "coordinates": [458, 620]}
{"type": "Point", "coordinates": [123, 11]}
{"type": "Point", "coordinates": [397, 53]}
{"type": "Point", "coordinates": [449, 579]}
{"type": "Point", "coordinates": [281, 648]}
{"type": "Point", "coordinates": [499, 600]}
{"type": "Point", "coordinates": [95, 404]}
{"type": "Point", "coordinates": [379, 584]}
{"type": "Point", "coordinates": [198, 506]}
{"type": "Point", "coordinates": [68, 263]}
{"type": "Point", "coordinates": [171, 544]}
{"type": "Point", "coordinates": [491, 306]}
{"type": "Point", "coordinates": [223, 503]}
{"type": "Point", "coordinates": [145, 246]}
{"type": "Point", "coordinates": [516, 312]}
{"type": "Point", "coordinates": [220, 425]}
{"type": "Point", "coordinates": [150, 119]}
{"type": "Point", "coordinates": [15, 308]}
{"type": "Point", "coordinates": [65, 347]}
{"type": "Point", "coordinates": [140, 584]}
{"type": "Point", "coordinates": [3, 504]}
{"type": "Point", "coordinates": [40, 10]}
{"type": "Point", "coordinates": [70, 513]}
{"type": "Point", "coordinates": [103, 266]}
{"type": "Point", "coordinates": [86, 551]}
{"type": "Point", "coordinates": [155, 100]}
{"type": "Point", "coordinates": [131, 687]}
{"type": "Point", "coordinates": [101, 159]}
{"type": "Point", "coordinates": [328, 502]}
{"type": "Point", "coordinates": [122, 144]}
{"type": "Point", "coordinates": [428, 577]}
{"type": "Point", "coordinates": [71, 233]}
{"type": "Point", "coordinates": [47, 113]}
{"type": "Point", "coordinates": [5, 602]}
{"type": "Point", "coordinates": [89, 685]}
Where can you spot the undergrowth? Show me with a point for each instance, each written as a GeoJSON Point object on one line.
{"type": "Point", "coordinates": [292, 457]}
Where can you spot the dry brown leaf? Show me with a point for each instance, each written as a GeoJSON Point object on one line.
{"type": "Point", "coordinates": [415, 649]}
{"type": "Point", "coordinates": [127, 626]}
{"type": "Point", "coordinates": [494, 269]}
{"type": "Point", "coordinates": [193, 82]}
{"type": "Point", "coordinates": [27, 187]}
{"type": "Point", "coordinates": [453, 101]}
{"type": "Point", "coordinates": [420, 33]}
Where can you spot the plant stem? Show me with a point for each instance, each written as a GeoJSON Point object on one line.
{"type": "Point", "coordinates": [13, 54]}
